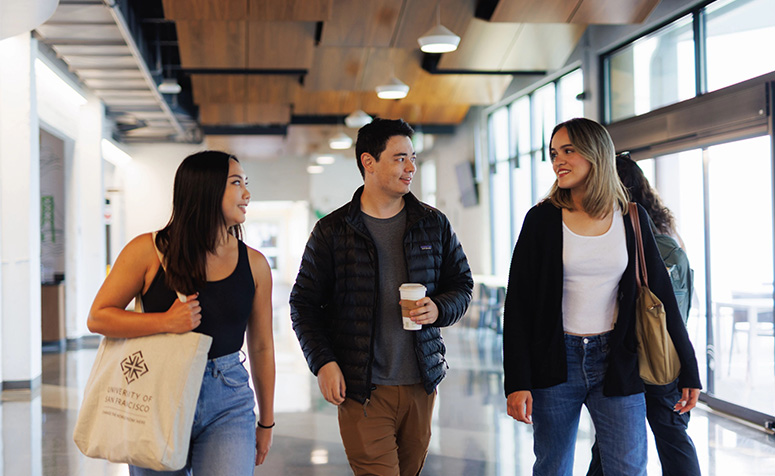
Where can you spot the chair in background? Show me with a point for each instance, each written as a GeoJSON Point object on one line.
{"type": "Point", "coordinates": [491, 300]}
{"type": "Point", "coordinates": [765, 325]}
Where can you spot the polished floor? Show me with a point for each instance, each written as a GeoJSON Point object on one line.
{"type": "Point", "coordinates": [472, 435]}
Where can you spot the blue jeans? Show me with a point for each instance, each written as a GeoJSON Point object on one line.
{"type": "Point", "coordinates": [620, 422]}
{"type": "Point", "coordinates": [675, 448]}
{"type": "Point", "coordinates": [223, 438]}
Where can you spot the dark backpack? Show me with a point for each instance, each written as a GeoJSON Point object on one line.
{"type": "Point", "coordinates": [681, 274]}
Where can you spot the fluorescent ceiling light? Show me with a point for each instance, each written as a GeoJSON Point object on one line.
{"type": "Point", "coordinates": [340, 141]}
{"type": "Point", "coordinates": [357, 119]}
{"type": "Point", "coordinates": [169, 86]}
{"type": "Point", "coordinates": [315, 169]}
{"type": "Point", "coordinates": [113, 154]}
{"type": "Point", "coordinates": [393, 89]}
{"type": "Point", "coordinates": [438, 39]}
{"type": "Point", "coordinates": [325, 159]}
{"type": "Point", "coordinates": [50, 80]}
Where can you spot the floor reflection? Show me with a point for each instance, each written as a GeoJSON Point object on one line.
{"type": "Point", "coordinates": [472, 435]}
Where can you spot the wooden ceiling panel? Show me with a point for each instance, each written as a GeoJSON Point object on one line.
{"type": "Point", "coordinates": [458, 89]}
{"type": "Point", "coordinates": [440, 114]}
{"type": "Point", "coordinates": [205, 9]}
{"type": "Point", "coordinates": [280, 45]}
{"type": "Point", "coordinates": [542, 46]}
{"type": "Point", "coordinates": [244, 114]}
{"type": "Point", "coordinates": [614, 11]}
{"type": "Point", "coordinates": [483, 46]}
{"type": "Point", "coordinates": [265, 114]}
{"type": "Point", "coordinates": [359, 23]}
{"type": "Point", "coordinates": [336, 68]}
{"type": "Point", "coordinates": [290, 10]}
{"type": "Point", "coordinates": [319, 103]}
{"type": "Point", "coordinates": [219, 88]}
{"type": "Point", "coordinates": [213, 114]}
{"type": "Point", "coordinates": [535, 11]}
{"type": "Point", "coordinates": [212, 44]}
{"type": "Point", "coordinates": [271, 89]}
{"type": "Point", "coordinates": [381, 63]}
{"type": "Point", "coordinates": [455, 15]}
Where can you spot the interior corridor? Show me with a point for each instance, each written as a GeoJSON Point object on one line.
{"type": "Point", "coordinates": [472, 434]}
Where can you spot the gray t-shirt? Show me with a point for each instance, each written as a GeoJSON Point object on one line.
{"type": "Point", "coordinates": [395, 361]}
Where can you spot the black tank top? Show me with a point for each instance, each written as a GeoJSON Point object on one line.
{"type": "Point", "coordinates": [226, 305]}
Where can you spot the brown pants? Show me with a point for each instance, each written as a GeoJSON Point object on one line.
{"type": "Point", "coordinates": [390, 435]}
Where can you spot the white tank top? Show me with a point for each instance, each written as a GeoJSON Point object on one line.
{"type": "Point", "coordinates": [592, 268]}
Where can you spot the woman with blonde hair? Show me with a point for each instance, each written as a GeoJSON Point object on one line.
{"type": "Point", "coordinates": [569, 318]}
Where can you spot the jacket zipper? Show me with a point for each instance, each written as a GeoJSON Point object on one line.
{"type": "Point", "coordinates": [373, 313]}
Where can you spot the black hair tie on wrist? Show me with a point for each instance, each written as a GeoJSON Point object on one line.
{"type": "Point", "coordinates": [266, 427]}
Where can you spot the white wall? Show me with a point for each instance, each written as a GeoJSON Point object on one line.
{"type": "Point", "coordinates": [20, 334]}
{"type": "Point", "coordinates": [148, 181]}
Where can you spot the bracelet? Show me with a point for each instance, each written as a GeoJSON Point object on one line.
{"type": "Point", "coordinates": [266, 427]}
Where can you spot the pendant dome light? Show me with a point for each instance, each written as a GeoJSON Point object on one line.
{"type": "Point", "coordinates": [393, 89]}
{"type": "Point", "coordinates": [340, 141]}
{"type": "Point", "coordinates": [357, 119]}
{"type": "Point", "coordinates": [438, 39]}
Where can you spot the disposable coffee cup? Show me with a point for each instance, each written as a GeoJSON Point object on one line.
{"type": "Point", "coordinates": [410, 294]}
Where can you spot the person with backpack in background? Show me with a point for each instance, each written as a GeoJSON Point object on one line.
{"type": "Point", "coordinates": [674, 446]}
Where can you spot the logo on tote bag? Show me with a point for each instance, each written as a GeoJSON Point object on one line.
{"type": "Point", "coordinates": [134, 367]}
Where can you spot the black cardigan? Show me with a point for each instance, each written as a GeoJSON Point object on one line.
{"type": "Point", "coordinates": [533, 335]}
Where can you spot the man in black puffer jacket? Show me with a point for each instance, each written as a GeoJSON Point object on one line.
{"type": "Point", "coordinates": [346, 314]}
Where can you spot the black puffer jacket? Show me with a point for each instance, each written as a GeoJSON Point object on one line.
{"type": "Point", "coordinates": [334, 300]}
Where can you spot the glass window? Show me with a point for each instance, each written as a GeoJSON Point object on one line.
{"type": "Point", "coordinates": [652, 72]}
{"type": "Point", "coordinates": [741, 270]}
{"type": "Point", "coordinates": [568, 87]}
{"type": "Point", "coordinates": [544, 176]}
{"type": "Point", "coordinates": [738, 37]}
{"type": "Point", "coordinates": [544, 118]}
{"type": "Point", "coordinates": [500, 191]}
{"type": "Point", "coordinates": [501, 223]}
{"type": "Point", "coordinates": [521, 173]}
{"type": "Point", "coordinates": [499, 129]}
{"type": "Point", "coordinates": [428, 181]}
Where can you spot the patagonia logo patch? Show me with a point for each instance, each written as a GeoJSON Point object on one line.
{"type": "Point", "coordinates": [426, 247]}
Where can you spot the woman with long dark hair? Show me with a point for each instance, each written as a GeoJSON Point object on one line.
{"type": "Point", "coordinates": [228, 288]}
{"type": "Point", "coordinates": [569, 317]}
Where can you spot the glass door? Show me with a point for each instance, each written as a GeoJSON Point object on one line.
{"type": "Point", "coordinates": [722, 199]}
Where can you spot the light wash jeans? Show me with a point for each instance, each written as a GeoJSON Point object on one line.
{"type": "Point", "coordinates": [223, 438]}
{"type": "Point", "coordinates": [620, 422]}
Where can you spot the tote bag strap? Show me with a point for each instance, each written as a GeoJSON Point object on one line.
{"type": "Point", "coordinates": [139, 298]}
{"type": "Point", "coordinates": [640, 263]}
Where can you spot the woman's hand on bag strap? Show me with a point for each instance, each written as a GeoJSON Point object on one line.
{"type": "Point", "coordinates": [689, 397]}
{"type": "Point", "coordinates": [183, 316]}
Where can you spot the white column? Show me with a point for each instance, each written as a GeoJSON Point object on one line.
{"type": "Point", "coordinates": [20, 346]}
{"type": "Point", "coordinates": [84, 220]}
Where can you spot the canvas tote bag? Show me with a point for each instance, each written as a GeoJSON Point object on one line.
{"type": "Point", "coordinates": [657, 358]}
{"type": "Point", "coordinates": [139, 402]}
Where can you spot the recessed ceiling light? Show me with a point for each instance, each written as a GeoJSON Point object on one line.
{"type": "Point", "coordinates": [325, 159]}
{"type": "Point", "coordinates": [315, 169]}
